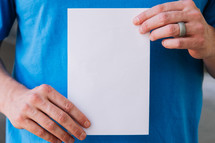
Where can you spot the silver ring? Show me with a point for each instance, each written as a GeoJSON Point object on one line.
{"type": "Point", "coordinates": [182, 28]}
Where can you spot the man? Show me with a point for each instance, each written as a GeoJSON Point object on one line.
{"type": "Point", "coordinates": [40, 70]}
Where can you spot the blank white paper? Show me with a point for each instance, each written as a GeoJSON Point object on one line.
{"type": "Point", "coordinates": [108, 70]}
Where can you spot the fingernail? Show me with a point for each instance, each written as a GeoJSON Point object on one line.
{"type": "Point", "coordinates": [83, 136]}
{"type": "Point", "coordinates": [136, 20]}
{"type": "Point", "coordinates": [71, 140]}
{"type": "Point", "coordinates": [87, 124]}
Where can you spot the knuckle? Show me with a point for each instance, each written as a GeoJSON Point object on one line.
{"type": "Point", "coordinates": [144, 14]}
{"type": "Point", "coordinates": [82, 119]}
{"type": "Point", "coordinates": [34, 98]}
{"type": "Point", "coordinates": [50, 126]}
{"type": "Point", "coordinates": [159, 8]}
{"type": "Point", "coordinates": [171, 30]}
{"type": "Point", "coordinates": [178, 43]}
{"type": "Point", "coordinates": [25, 108]}
{"type": "Point", "coordinates": [69, 107]}
{"type": "Point", "coordinates": [18, 121]}
{"type": "Point", "coordinates": [77, 132]}
{"type": "Point", "coordinates": [51, 139]}
{"type": "Point", "coordinates": [65, 137]}
{"type": "Point", "coordinates": [33, 112]}
{"type": "Point", "coordinates": [190, 3]}
{"type": "Point", "coordinates": [200, 28]}
{"type": "Point", "coordinates": [48, 107]}
{"type": "Point", "coordinates": [45, 88]}
{"type": "Point", "coordinates": [163, 17]}
{"type": "Point", "coordinates": [145, 26]}
{"type": "Point", "coordinates": [40, 132]}
{"type": "Point", "coordinates": [62, 117]}
{"type": "Point", "coordinates": [196, 14]}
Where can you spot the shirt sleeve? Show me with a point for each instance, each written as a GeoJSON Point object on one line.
{"type": "Point", "coordinates": [209, 12]}
{"type": "Point", "coordinates": [7, 17]}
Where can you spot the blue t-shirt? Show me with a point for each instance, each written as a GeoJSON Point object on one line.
{"type": "Point", "coordinates": [41, 58]}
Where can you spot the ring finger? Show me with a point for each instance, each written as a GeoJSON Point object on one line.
{"type": "Point", "coordinates": [49, 125]}
{"type": "Point", "coordinates": [34, 128]}
{"type": "Point", "coordinates": [171, 30]}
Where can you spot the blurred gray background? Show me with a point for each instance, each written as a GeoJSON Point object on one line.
{"type": "Point", "coordinates": [207, 124]}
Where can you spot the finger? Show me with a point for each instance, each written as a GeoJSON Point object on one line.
{"type": "Point", "coordinates": [63, 119]}
{"type": "Point", "coordinates": [171, 30]}
{"type": "Point", "coordinates": [48, 124]}
{"type": "Point", "coordinates": [181, 43]}
{"type": "Point", "coordinates": [170, 6]}
{"type": "Point", "coordinates": [62, 102]}
{"type": "Point", "coordinates": [70, 108]}
{"type": "Point", "coordinates": [163, 19]}
{"type": "Point", "coordinates": [34, 128]}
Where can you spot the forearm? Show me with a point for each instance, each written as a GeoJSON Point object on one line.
{"type": "Point", "coordinates": [210, 66]}
{"type": "Point", "coordinates": [7, 85]}
{"type": "Point", "coordinates": [210, 61]}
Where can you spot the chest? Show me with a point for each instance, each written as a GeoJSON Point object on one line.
{"type": "Point", "coordinates": [34, 6]}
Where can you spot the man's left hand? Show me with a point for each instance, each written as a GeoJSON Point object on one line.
{"type": "Point", "coordinates": [163, 21]}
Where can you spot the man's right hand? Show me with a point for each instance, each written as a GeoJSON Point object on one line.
{"type": "Point", "coordinates": [34, 110]}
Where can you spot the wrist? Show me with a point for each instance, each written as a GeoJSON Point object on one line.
{"type": "Point", "coordinates": [211, 44]}
{"type": "Point", "coordinates": [9, 89]}
{"type": "Point", "coordinates": [209, 64]}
